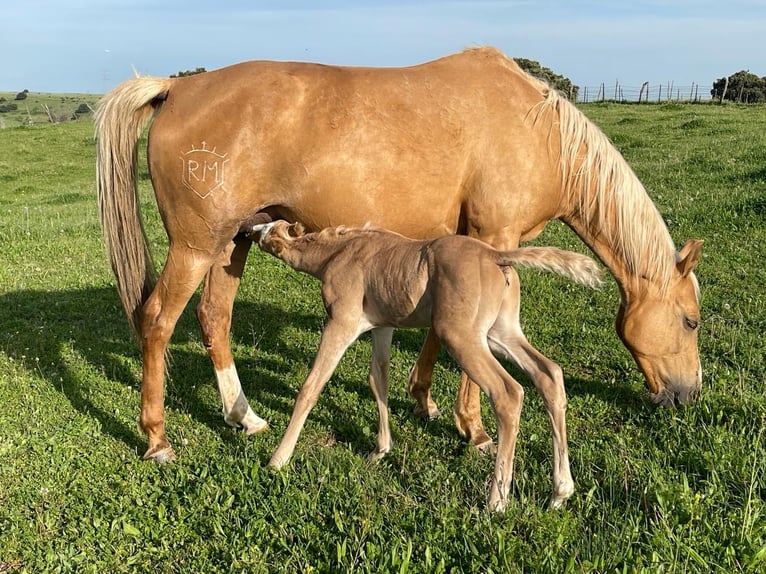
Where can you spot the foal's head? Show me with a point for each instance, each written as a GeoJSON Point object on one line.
{"type": "Point", "coordinates": [275, 236]}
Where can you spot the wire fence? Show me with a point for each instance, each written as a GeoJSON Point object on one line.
{"type": "Point", "coordinates": [646, 92]}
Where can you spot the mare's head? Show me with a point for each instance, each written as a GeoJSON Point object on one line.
{"type": "Point", "coordinates": [659, 327]}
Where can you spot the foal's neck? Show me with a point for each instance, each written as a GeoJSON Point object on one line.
{"type": "Point", "coordinates": [311, 253]}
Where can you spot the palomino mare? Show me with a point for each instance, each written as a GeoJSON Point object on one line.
{"type": "Point", "coordinates": [467, 144]}
{"type": "Point", "coordinates": [376, 280]}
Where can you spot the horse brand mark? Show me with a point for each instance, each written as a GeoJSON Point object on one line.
{"type": "Point", "coordinates": [203, 170]}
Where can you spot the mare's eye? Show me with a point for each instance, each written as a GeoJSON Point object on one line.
{"type": "Point", "coordinates": [691, 323]}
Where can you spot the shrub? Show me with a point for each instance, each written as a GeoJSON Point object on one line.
{"type": "Point", "coordinates": [188, 73]}
{"type": "Point", "coordinates": [22, 95]}
{"type": "Point", "coordinates": [8, 108]}
{"type": "Point", "coordinates": [557, 81]}
{"type": "Point", "coordinates": [742, 87]}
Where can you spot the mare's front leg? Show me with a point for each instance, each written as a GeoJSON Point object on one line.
{"type": "Point", "coordinates": [378, 379]}
{"type": "Point", "coordinates": [336, 338]}
{"type": "Point", "coordinates": [467, 406]}
{"type": "Point", "coordinates": [182, 273]}
{"type": "Point", "coordinates": [214, 313]}
{"type": "Point", "coordinates": [421, 375]}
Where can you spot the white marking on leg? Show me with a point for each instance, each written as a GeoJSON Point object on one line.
{"type": "Point", "coordinates": [236, 410]}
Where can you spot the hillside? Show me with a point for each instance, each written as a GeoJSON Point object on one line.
{"type": "Point", "coordinates": [40, 108]}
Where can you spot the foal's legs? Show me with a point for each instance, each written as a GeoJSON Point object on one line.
{"type": "Point", "coordinates": [214, 314]}
{"type": "Point", "coordinates": [182, 273]}
{"type": "Point", "coordinates": [468, 405]}
{"type": "Point", "coordinates": [381, 357]}
{"type": "Point", "coordinates": [507, 338]}
{"type": "Point", "coordinates": [336, 338]}
{"type": "Point", "coordinates": [506, 397]}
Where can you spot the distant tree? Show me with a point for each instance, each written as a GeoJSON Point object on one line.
{"type": "Point", "coordinates": [22, 95]}
{"type": "Point", "coordinates": [188, 73]}
{"type": "Point", "coordinates": [557, 81]}
{"type": "Point", "coordinates": [743, 87]}
{"type": "Point", "coordinates": [83, 109]}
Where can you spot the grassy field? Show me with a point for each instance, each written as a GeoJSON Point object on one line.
{"type": "Point", "coordinates": [39, 108]}
{"type": "Point", "coordinates": [657, 490]}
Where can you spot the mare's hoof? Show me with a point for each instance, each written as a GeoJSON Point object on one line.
{"type": "Point", "coordinates": [484, 444]}
{"type": "Point", "coordinates": [426, 413]}
{"type": "Point", "coordinates": [254, 425]}
{"type": "Point", "coordinates": [160, 454]}
{"type": "Point", "coordinates": [250, 423]}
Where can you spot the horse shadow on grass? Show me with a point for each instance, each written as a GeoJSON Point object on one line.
{"type": "Point", "coordinates": [71, 338]}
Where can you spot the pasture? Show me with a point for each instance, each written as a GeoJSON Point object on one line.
{"type": "Point", "coordinates": [656, 490]}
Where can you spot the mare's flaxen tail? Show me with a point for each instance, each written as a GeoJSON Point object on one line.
{"type": "Point", "coordinates": [120, 118]}
{"type": "Point", "coordinates": [579, 268]}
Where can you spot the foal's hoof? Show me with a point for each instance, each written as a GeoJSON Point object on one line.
{"type": "Point", "coordinates": [377, 455]}
{"type": "Point", "coordinates": [160, 454]}
{"type": "Point", "coordinates": [565, 491]}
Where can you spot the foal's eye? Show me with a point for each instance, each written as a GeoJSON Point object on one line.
{"type": "Point", "coordinates": [691, 323]}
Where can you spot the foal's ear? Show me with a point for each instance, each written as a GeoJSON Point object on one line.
{"type": "Point", "coordinates": [689, 256]}
{"type": "Point", "coordinates": [296, 230]}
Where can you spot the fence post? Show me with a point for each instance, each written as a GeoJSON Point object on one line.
{"type": "Point", "coordinates": [644, 86]}
{"type": "Point", "coordinates": [725, 87]}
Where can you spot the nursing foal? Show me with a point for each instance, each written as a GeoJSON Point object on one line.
{"type": "Point", "coordinates": [376, 280]}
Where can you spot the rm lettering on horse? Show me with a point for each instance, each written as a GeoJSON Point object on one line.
{"type": "Point", "coordinates": [203, 170]}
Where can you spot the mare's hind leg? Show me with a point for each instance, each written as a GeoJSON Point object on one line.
{"type": "Point", "coordinates": [214, 314]}
{"type": "Point", "coordinates": [182, 273]}
{"type": "Point", "coordinates": [378, 378]}
{"type": "Point", "coordinates": [507, 339]}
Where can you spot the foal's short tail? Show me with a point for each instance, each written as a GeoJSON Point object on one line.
{"type": "Point", "coordinates": [579, 268]}
{"type": "Point", "coordinates": [120, 118]}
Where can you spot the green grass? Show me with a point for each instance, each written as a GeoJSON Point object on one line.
{"type": "Point", "coordinates": [657, 490]}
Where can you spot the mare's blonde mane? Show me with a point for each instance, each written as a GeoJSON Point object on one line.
{"type": "Point", "coordinates": [607, 196]}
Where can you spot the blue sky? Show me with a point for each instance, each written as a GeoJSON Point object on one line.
{"type": "Point", "coordinates": [92, 45]}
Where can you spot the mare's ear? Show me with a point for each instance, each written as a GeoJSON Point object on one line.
{"type": "Point", "coordinates": [689, 256]}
